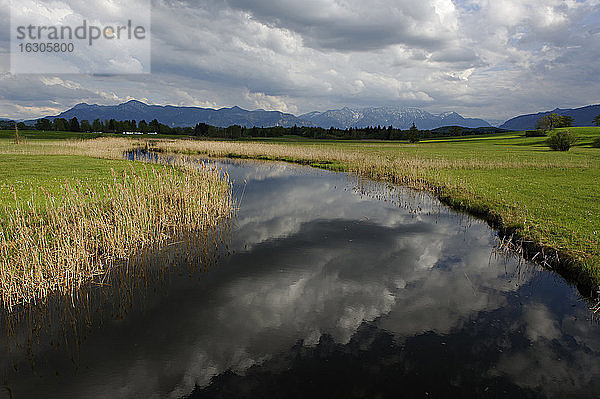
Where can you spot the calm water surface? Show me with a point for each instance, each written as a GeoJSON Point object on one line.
{"type": "Point", "coordinates": [332, 287]}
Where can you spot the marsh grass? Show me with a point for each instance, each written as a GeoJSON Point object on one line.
{"type": "Point", "coordinates": [104, 147]}
{"type": "Point", "coordinates": [56, 245]}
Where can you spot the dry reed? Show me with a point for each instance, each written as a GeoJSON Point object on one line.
{"type": "Point", "coordinates": [416, 173]}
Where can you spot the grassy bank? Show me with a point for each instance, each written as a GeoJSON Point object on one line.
{"type": "Point", "coordinates": [24, 176]}
{"type": "Point", "coordinates": [67, 216]}
{"type": "Point", "coordinates": [550, 199]}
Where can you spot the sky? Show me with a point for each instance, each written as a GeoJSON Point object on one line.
{"type": "Point", "coordinates": [493, 59]}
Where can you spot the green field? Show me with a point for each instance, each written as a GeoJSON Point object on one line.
{"type": "Point", "coordinates": [38, 162]}
{"type": "Point", "coordinates": [47, 135]}
{"type": "Point", "coordinates": [59, 135]}
{"type": "Point", "coordinates": [23, 174]}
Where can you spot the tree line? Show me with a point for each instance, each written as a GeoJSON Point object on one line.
{"type": "Point", "coordinates": [546, 123]}
{"type": "Point", "coordinates": [108, 126]}
{"type": "Point", "coordinates": [311, 132]}
{"type": "Point", "coordinates": [237, 131]}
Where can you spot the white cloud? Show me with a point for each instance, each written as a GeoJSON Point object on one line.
{"type": "Point", "coordinates": [269, 103]}
{"type": "Point", "coordinates": [87, 55]}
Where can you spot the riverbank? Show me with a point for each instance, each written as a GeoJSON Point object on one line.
{"type": "Point", "coordinates": [68, 216]}
{"type": "Point", "coordinates": [549, 202]}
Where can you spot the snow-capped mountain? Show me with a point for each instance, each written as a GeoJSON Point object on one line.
{"type": "Point", "coordinates": [398, 117]}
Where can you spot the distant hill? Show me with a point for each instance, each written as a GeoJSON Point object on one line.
{"type": "Point", "coordinates": [398, 117]}
{"type": "Point", "coordinates": [583, 116]}
{"type": "Point", "coordinates": [178, 116]}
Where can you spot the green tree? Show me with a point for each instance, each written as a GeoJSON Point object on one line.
{"type": "Point", "coordinates": [233, 131]}
{"type": "Point", "coordinates": [129, 126]}
{"type": "Point", "coordinates": [143, 126]}
{"type": "Point", "coordinates": [154, 126]}
{"type": "Point", "coordinates": [163, 129]}
{"type": "Point", "coordinates": [553, 121]}
{"type": "Point", "coordinates": [111, 125]}
{"type": "Point", "coordinates": [43, 124]}
{"type": "Point", "coordinates": [85, 126]}
{"type": "Point", "coordinates": [97, 126]}
{"type": "Point", "coordinates": [455, 130]}
{"type": "Point", "coordinates": [547, 122]}
{"type": "Point", "coordinates": [414, 135]}
{"type": "Point", "coordinates": [59, 124]}
{"type": "Point", "coordinates": [119, 126]}
{"type": "Point", "coordinates": [201, 129]}
{"type": "Point", "coordinates": [74, 125]}
{"type": "Point", "coordinates": [564, 121]}
{"type": "Point", "coordinates": [597, 120]}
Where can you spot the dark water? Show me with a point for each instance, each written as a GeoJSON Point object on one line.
{"type": "Point", "coordinates": [333, 288]}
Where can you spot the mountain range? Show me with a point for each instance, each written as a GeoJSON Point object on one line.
{"type": "Point", "coordinates": [398, 117]}
{"type": "Point", "coordinates": [583, 116]}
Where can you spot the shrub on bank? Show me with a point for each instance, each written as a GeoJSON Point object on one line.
{"type": "Point", "coordinates": [561, 140]}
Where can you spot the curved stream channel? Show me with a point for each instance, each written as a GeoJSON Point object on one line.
{"type": "Point", "coordinates": [333, 287]}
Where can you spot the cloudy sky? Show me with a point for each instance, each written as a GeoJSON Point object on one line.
{"type": "Point", "coordinates": [482, 58]}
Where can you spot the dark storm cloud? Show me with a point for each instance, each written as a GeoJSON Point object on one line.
{"type": "Point", "coordinates": [354, 25]}
{"type": "Point", "coordinates": [456, 55]}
